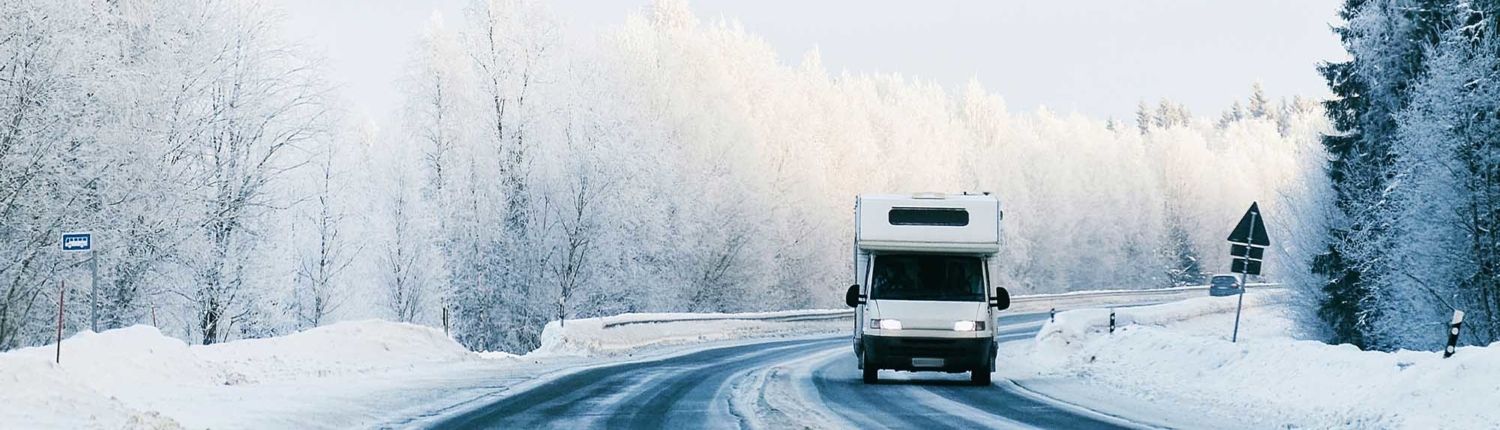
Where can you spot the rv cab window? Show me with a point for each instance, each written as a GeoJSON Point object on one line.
{"type": "Point", "coordinates": [952, 217]}
{"type": "Point", "coordinates": [928, 277]}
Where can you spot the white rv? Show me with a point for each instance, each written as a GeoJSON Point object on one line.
{"type": "Point", "coordinates": [923, 298]}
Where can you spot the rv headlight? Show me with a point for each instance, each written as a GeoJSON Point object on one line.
{"type": "Point", "coordinates": [886, 324]}
{"type": "Point", "coordinates": [968, 326]}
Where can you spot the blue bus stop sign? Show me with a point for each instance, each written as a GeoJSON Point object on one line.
{"type": "Point", "coordinates": [77, 242]}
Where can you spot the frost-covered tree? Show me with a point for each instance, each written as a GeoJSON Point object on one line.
{"type": "Point", "coordinates": [1448, 205]}
{"type": "Point", "coordinates": [1143, 118]}
{"type": "Point", "coordinates": [46, 84]}
{"type": "Point", "coordinates": [1258, 107]}
{"type": "Point", "coordinates": [1235, 113]}
{"type": "Point", "coordinates": [320, 288]}
{"type": "Point", "coordinates": [1383, 50]}
{"type": "Point", "coordinates": [436, 99]}
{"type": "Point", "coordinates": [239, 131]}
{"type": "Point", "coordinates": [405, 276]}
{"type": "Point", "coordinates": [1171, 114]}
{"type": "Point", "coordinates": [1181, 253]}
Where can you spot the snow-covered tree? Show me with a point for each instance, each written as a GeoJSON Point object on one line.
{"type": "Point", "coordinates": [1445, 207]}
{"type": "Point", "coordinates": [320, 284]}
{"type": "Point", "coordinates": [1259, 107]}
{"type": "Point", "coordinates": [1143, 119]}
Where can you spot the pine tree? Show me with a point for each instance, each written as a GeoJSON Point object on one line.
{"type": "Point", "coordinates": [1235, 113]}
{"type": "Point", "coordinates": [1260, 106]}
{"type": "Point", "coordinates": [1185, 268]}
{"type": "Point", "coordinates": [1143, 117]}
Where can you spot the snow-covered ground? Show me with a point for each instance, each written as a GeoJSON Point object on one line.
{"type": "Point", "coordinates": [1179, 354]}
{"type": "Point", "coordinates": [368, 373]}
{"type": "Point", "coordinates": [363, 373]}
{"type": "Point", "coordinates": [376, 374]}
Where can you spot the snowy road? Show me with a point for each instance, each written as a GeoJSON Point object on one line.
{"type": "Point", "coordinates": [779, 384]}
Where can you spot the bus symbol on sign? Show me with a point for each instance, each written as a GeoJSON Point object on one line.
{"type": "Point", "coordinates": [77, 242]}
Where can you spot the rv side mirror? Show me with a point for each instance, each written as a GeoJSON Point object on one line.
{"type": "Point", "coordinates": [1002, 299]}
{"type": "Point", "coordinates": [852, 297]}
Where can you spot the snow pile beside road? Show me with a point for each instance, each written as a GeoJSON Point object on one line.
{"type": "Point", "coordinates": [40, 394]}
{"type": "Point", "coordinates": [343, 348]}
{"type": "Point", "coordinates": [1082, 324]}
{"type": "Point", "coordinates": [627, 333]}
{"type": "Point", "coordinates": [120, 378]}
{"type": "Point", "coordinates": [1179, 353]}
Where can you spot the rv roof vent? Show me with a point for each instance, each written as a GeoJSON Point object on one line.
{"type": "Point", "coordinates": [928, 195]}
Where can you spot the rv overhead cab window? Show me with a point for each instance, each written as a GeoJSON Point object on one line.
{"type": "Point", "coordinates": [954, 217]}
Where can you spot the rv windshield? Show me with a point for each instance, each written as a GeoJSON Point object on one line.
{"type": "Point", "coordinates": [928, 277]}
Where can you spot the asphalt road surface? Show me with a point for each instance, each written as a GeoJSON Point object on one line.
{"type": "Point", "coordinates": [770, 384]}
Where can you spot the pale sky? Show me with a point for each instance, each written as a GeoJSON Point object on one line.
{"type": "Point", "coordinates": [1095, 57]}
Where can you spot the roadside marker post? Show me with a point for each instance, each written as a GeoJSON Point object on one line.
{"type": "Point", "coordinates": [1247, 249]}
{"type": "Point", "coordinates": [1111, 320]}
{"type": "Point", "coordinates": [1458, 321]}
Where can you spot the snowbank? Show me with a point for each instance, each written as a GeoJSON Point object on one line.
{"type": "Point", "coordinates": [116, 379]}
{"type": "Point", "coordinates": [347, 374]}
{"type": "Point", "coordinates": [626, 333]}
{"type": "Point", "coordinates": [343, 348]}
{"type": "Point", "coordinates": [1179, 353]}
{"type": "Point", "coordinates": [1079, 325]}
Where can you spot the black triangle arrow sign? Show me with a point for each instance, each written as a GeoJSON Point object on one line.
{"type": "Point", "coordinates": [1242, 231]}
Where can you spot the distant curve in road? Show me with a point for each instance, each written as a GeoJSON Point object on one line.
{"type": "Point", "coordinates": [694, 390]}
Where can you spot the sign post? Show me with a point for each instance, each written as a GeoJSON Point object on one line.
{"type": "Point", "coordinates": [62, 291]}
{"type": "Point", "coordinates": [1246, 251]}
{"type": "Point", "coordinates": [84, 242]}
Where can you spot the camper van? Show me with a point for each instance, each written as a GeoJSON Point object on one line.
{"type": "Point", "coordinates": [923, 295]}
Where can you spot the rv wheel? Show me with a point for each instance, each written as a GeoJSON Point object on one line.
{"type": "Point", "coordinates": [980, 377]}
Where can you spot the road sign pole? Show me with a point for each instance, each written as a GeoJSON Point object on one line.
{"type": "Point", "coordinates": [1244, 282]}
{"type": "Point", "coordinates": [62, 291]}
{"type": "Point", "coordinates": [94, 291]}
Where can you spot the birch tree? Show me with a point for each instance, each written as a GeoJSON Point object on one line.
{"type": "Point", "coordinates": [239, 129]}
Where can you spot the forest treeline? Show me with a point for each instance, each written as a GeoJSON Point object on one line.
{"type": "Point", "coordinates": [665, 164]}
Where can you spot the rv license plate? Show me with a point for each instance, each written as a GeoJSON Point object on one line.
{"type": "Point", "coordinates": [926, 362]}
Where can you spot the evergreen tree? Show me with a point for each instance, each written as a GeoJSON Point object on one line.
{"type": "Point", "coordinates": [1182, 256]}
{"type": "Point", "coordinates": [1143, 117]}
{"type": "Point", "coordinates": [1235, 113]}
{"type": "Point", "coordinates": [1260, 106]}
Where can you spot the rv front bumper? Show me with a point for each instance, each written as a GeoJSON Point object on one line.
{"type": "Point", "coordinates": [928, 353]}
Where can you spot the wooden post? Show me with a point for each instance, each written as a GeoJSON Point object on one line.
{"type": "Point", "coordinates": [61, 292]}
